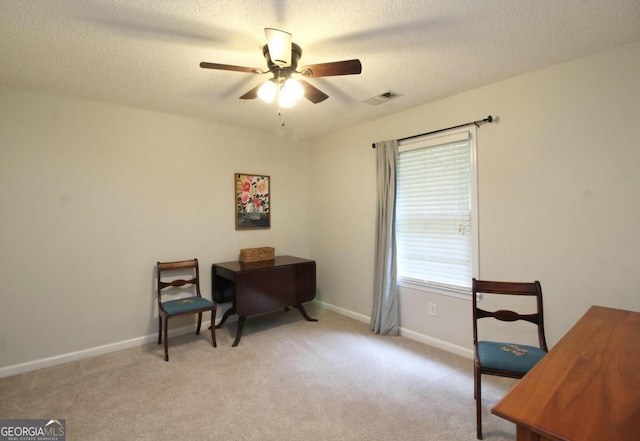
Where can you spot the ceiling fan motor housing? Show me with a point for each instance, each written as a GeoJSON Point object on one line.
{"type": "Point", "coordinates": [283, 72]}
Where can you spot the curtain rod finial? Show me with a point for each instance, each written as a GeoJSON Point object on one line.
{"type": "Point", "coordinates": [373, 145]}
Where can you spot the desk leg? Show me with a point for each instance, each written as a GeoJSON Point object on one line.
{"type": "Point", "coordinates": [524, 433]}
{"type": "Point", "coordinates": [226, 315]}
{"type": "Point", "coordinates": [241, 321]}
{"type": "Point", "coordinates": [300, 308]}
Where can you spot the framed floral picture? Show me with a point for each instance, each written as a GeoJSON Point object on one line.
{"type": "Point", "coordinates": [253, 207]}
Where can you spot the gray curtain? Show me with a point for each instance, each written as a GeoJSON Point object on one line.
{"type": "Point", "coordinates": [385, 315]}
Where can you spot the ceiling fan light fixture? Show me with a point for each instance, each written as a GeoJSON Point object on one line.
{"type": "Point", "coordinates": [285, 101]}
{"type": "Point", "coordinates": [279, 43]}
{"type": "Point", "coordinates": [293, 88]}
{"type": "Point", "coordinates": [268, 91]}
{"type": "Point", "coordinates": [290, 93]}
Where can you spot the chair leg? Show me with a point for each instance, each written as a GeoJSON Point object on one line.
{"type": "Point", "coordinates": [166, 339]}
{"type": "Point", "coordinates": [159, 328]}
{"type": "Point", "coordinates": [199, 323]}
{"type": "Point", "coordinates": [478, 397]}
{"type": "Point", "coordinates": [213, 327]}
{"type": "Point", "coordinates": [475, 383]}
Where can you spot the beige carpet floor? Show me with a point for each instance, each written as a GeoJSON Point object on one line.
{"type": "Point", "coordinates": [289, 379]}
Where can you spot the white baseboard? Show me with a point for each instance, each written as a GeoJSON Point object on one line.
{"type": "Point", "coordinates": [105, 349]}
{"type": "Point", "coordinates": [91, 352]}
{"type": "Point", "coordinates": [354, 315]}
{"type": "Point", "coordinates": [440, 344]}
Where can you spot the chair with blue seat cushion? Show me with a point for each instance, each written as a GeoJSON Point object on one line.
{"type": "Point", "coordinates": [180, 280]}
{"type": "Point", "coordinates": [504, 359]}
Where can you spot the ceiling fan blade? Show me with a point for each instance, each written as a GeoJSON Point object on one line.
{"type": "Point", "coordinates": [254, 70]}
{"type": "Point", "coordinates": [312, 93]}
{"type": "Point", "coordinates": [347, 67]}
{"type": "Point", "coordinates": [252, 94]}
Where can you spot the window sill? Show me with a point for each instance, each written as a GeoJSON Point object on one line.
{"type": "Point", "coordinates": [459, 293]}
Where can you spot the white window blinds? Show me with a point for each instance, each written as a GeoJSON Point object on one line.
{"type": "Point", "coordinates": [434, 211]}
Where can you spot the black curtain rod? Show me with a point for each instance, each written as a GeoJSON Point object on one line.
{"type": "Point", "coordinates": [488, 119]}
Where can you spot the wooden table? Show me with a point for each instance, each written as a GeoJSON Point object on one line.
{"type": "Point", "coordinates": [264, 286]}
{"type": "Point", "coordinates": [586, 388]}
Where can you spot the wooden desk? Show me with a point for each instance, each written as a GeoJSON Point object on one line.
{"type": "Point", "coordinates": [586, 388]}
{"type": "Point", "coordinates": [265, 286]}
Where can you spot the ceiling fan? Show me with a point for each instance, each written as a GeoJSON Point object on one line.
{"type": "Point", "coordinates": [288, 82]}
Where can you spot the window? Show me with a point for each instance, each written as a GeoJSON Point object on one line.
{"type": "Point", "coordinates": [436, 212]}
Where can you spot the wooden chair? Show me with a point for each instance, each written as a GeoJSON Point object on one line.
{"type": "Point", "coordinates": [183, 305]}
{"type": "Point", "coordinates": [505, 359]}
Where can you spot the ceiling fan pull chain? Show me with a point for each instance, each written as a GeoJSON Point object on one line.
{"type": "Point", "coordinates": [281, 115]}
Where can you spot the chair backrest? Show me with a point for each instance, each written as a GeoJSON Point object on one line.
{"type": "Point", "coordinates": [184, 273]}
{"type": "Point", "coordinates": [512, 289]}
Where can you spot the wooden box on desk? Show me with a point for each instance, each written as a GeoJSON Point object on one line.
{"type": "Point", "coordinates": [257, 254]}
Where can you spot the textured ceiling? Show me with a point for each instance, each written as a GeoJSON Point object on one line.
{"type": "Point", "coordinates": [146, 54]}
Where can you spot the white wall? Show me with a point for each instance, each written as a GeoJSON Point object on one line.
{"type": "Point", "coordinates": [559, 185]}
{"type": "Point", "coordinates": [93, 195]}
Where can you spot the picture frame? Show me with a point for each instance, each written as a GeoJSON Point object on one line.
{"type": "Point", "coordinates": [252, 201]}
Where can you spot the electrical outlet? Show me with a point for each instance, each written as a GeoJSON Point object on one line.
{"type": "Point", "coordinates": [432, 309]}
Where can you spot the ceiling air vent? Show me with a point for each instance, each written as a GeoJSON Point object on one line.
{"type": "Point", "coordinates": [382, 98]}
